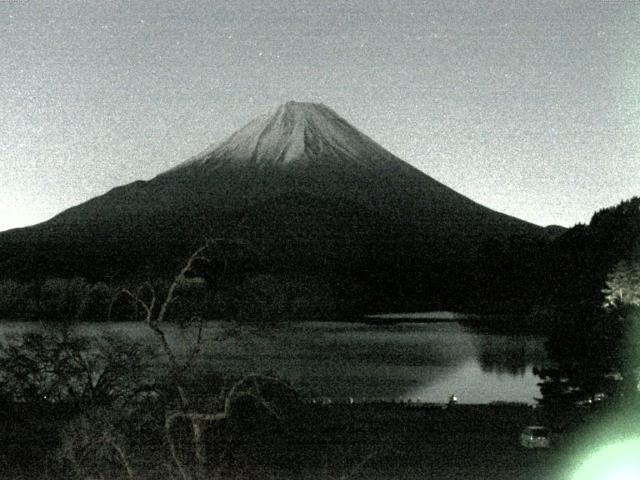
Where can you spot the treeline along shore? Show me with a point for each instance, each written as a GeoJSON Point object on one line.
{"type": "Point", "coordinates": [512, 284]}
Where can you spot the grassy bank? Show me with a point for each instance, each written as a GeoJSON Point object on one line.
{"type": "Point", "coordinates": [374, 441]}
{"type": "Point", "coordinates": [398, 441]}
{"type": "Point", "coordinates": [384, 441]}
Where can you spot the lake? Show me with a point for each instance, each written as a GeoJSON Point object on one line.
{"type": "Point", "coordinates": [419, 362]}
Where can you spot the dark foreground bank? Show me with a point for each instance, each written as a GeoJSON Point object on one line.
{"type": "Point", "coordinates": [361, 441]}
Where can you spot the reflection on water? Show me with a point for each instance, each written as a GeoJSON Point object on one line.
{"type": "Point", "coordinates": [411, 361]}
{"type": "Point", "coordinates": [472, 384]}
{"type": "Point", "coordinates": [504, 354]}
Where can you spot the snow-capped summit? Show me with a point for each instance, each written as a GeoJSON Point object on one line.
{"type": "Point", "coordinates": [294, 133]}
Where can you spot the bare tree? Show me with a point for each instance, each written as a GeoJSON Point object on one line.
{"type": "Point", "coordinates": [94, 439]}
{"type": "Point", "coordinates": [155, 307]}
{"type": "Point", "coordinates": [57, 365]}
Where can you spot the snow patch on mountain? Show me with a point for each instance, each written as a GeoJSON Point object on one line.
{"type": "Point", "coordinates": [295, 133]}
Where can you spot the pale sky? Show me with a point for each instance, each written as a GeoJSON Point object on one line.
{"type": "Point", "coordinates": [530, 108]}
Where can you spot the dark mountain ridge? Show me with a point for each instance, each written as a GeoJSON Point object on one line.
{"type": "Point", "coordinates": [312, 194]}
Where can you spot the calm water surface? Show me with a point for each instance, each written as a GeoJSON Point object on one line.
{"type": "Point", "coordinates": [405, 361]}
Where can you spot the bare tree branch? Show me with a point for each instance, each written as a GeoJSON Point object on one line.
{"type": "Point", "coordinates": [121, 455]}
{"type": "Point", "coordinates": [248, 387]}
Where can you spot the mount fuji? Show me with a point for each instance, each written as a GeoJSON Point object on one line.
{"type": "Point", "coordinates": [313, 195]}
{"type": "Point", "coordinates": [295, 134]}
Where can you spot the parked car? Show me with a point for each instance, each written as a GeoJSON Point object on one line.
{"type": "Point", "coordinates": [535, 436]}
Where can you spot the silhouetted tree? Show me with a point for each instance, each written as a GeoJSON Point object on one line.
{"type": "Point", "coordinates": [156, 306]}
{"type": "Point", "coordinates": [58, 365]}
{"type": "Point", "coordinates": [594, 296]}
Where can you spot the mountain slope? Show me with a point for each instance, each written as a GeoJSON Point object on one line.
{"type": "Point", "coordinates": [312, 193]}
